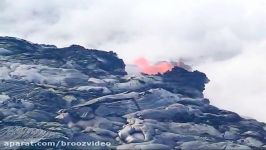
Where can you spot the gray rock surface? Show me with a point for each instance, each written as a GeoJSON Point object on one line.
{"type": "Point", "coordinates": [76, 94]}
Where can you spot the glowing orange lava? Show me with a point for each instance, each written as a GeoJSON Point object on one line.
{"type": "Point", "coordinates": [160, 67]}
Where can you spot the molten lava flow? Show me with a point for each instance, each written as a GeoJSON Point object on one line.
{"type": "Point", "coordinates": [160, 67]}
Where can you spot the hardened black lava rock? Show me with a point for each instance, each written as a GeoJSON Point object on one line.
{"type": "Point", "coordinates": [74, 94]}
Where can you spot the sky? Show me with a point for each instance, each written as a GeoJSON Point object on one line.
{"type": "Point", "coordinates": [226, 39]}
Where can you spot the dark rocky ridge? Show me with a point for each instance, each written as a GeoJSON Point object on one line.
{"type": "Point", "coordinates": [78, 94]}
{"type": "Point", "coordinates": [72, 57]}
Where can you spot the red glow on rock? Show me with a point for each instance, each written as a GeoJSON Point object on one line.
{"type": "Point", "coordinates": [146, 67]}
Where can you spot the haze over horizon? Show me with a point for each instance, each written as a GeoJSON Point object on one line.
{"type": "Point", "coordinates": [224, 39]}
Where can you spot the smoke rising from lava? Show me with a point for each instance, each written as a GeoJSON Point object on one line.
{"type": "Point", "coordinates": [145, 66]}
